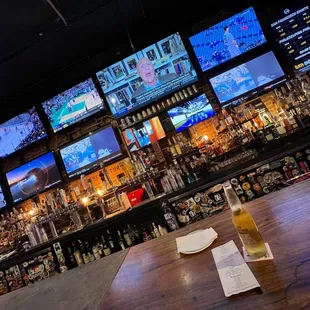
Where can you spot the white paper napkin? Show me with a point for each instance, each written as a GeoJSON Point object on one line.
{"type": "Point", "coordinates": [195, 241]}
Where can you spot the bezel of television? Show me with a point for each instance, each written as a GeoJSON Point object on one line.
{"type": "Point", "coordinates": [228, 39]}
{"type": "Point", "coordinates": [73, 105]}
{"type": "Point", "coordinates": [2, 199]}
{"type": "Point", "coordinates": [144, 134]}
{"type": "Point", "coordinates": [34, 177]}
{"type": "Point", "coordinates": [85, 154]}
{"type": "Point", "coordinates": [20, 131]}
{"type": "Point", "coordinates": [163, 68]}
{"type": "Point", "coordinates": [191, 112]}
{"type": "Point", "coordinates": [248, 80]}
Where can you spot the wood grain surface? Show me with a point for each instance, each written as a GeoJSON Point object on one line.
{"type": "Point", "coordinates": [155, 276]}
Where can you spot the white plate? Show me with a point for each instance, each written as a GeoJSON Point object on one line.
{"type": "Point", "coordinates": [200, 250]}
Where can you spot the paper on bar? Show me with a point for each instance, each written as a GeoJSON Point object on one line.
{"type": "Point", "coordinates": [235, 275]}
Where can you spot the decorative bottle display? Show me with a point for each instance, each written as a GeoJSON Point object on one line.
{"type": "Point", "coordinates": [245, 225]}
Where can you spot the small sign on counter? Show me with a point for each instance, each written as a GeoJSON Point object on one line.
{"type": "Point", "coordinates": [235, 275]}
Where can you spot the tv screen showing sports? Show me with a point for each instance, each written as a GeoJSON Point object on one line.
{"type": "Point", "coordinates": [228, 39]}
{"type": "Point", "coordinates": [242, 82]}
{"type": "Point", "coordinates": [2, 199]}
{"type": "Point", "coordinates": [191, 112]}
{"type": "Point", "coordinates": [148, 75]}
{"type": "Point", "coordinates": [73, 105]}
{"type": "Point", "coordinates": [87, 153]}
{"type": "Point", "coordinates": [20, 131]}
{"type": "Point", "coordinates": [149, 131]}
{"type": "Point", "coordinates": [33, 177]}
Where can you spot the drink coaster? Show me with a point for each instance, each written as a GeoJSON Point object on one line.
{"type": "Point", "coordinates": [249, 259]}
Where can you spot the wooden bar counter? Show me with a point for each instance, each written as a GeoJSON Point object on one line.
{"type": "Point", "coordinates": [154, 276]}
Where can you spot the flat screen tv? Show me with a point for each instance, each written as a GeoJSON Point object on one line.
{"type": "Point", "coordinates": [33, 177]}
{"type": "Point", "coordinates": [144, 134]}
{"type": "Point", "coordinates": [88, 152]}
{"type": "Point", "coordinates": [130, 139]}
{"type": "Point", "coordinates": [73, 105]}
{"type": "Point", "coordinates": [2, 199]}
{"type": "Point", "coordinates": [20, 131]}
{"type": "Point", "coordinates": [251, 78]}
{"type": "Point", "coordinates": [291, 28]}
{"type": "Point", "coordinates": [228, 39]}
{"type": "Point", "coordinates": [191, 112]}
{"type": "Point", "coordinates": [144, 77]}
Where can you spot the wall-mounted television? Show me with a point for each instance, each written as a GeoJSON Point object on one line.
{"type": "Point", "coordinates": [2, 199]}
{"type": "Point", "coordinates": [144, 77]}
{"type": "Point", "coordinates": [144, 134]}
{"type": "Point", "coordinates": [73, 105]}
{"type": "Point", "coordinates": [247, 80]}
{"type": "Point", "coordinates": [88, 152]}
{"type": "Point", "coordinates": [20, 131]}
{"type": "Point", "coordinates": [33, 177]}
{"type": "Point", "coordinates": [131, 140]}
{"type": "Point", "coordinates": [228, 39]}
{"type": "Point", "coordinates": [292, 32]}
{"type": "Point", "coordinates": [191, 112]}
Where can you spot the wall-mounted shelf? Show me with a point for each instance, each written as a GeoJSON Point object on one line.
{"type": "Point", "coordinates": [153, 114]}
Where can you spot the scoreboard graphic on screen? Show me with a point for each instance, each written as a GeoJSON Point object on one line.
{"type": "Point", "coordinates": [292, 31]}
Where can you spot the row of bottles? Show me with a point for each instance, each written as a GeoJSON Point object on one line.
{"type": "Point", "coordinates": [83, 251]}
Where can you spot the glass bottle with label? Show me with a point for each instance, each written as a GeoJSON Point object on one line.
{"type": "Point", "coordinates": [120, 240]}
{"type": "Point", "coordinates": [77, 254]}
{"type": "Point", "coordinates": [127, 237]}
{"type": "Point", "coordinates": [245, 225]}
{"type": "Point", "coordinates": [110, 241]}
{"type": "Point", "coordinates": [105, 247]}
{"type": "Point", "coordinates": [73, 262]}
{"type": "Point", "coordinates": [172, 149]}
{"type": "Point", "coordinates": [169, 216]}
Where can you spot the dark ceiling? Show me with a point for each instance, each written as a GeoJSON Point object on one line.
{"type": "Point", "coordinates": [44, 51]}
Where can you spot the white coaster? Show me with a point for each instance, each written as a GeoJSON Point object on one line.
{"type": "Point", "coordinates": [249, 259]}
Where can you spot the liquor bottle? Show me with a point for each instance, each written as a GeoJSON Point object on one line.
{"type": "Point", "coordinates": [169, 216]}
{"type": "Point", "coordinates": [177, 146]}
{"type": "Point", "coordinates": [99, 246]}
{"type": "Point", "coordinates": [120, 240]}
{"type": "Point", "coordinates": [161, 231]}
{"type": "Point", "coordinates": [110, 241]}
{"type": "Point", "coordinates": [157, 234]}
{"type": "Point", "coordinates": [77, 254]}
{"type": "Point", "coordinates": [137, 235]}
{"type": "Point", "coordinates": [172, 149]}
{"type": "Point", "coordinates": [83, 252]}
{"type": "Point", "coordinates": [145, 235]}
{"type": "Point", "coordinates": [127, 237]}
{"type": "Point", "coordinates": [95, 251]}
{"type": "Point", "coordinates": [106, 248]}
{"type": "Point", "coordinates": [73, 262]}
{"type": "Point", "coordinates": [245, 225]}
{"type": "Point", "coordinates": [89, 251]}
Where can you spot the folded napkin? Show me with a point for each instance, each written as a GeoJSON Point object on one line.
{"type": "Point", "coordinates": [196, 241]}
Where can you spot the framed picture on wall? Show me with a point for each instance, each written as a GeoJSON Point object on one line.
{"type": "Point", "coordinates": [151, 53]}
{"type": "Point", "coordinates": [131, 63]}
{"type": "Point", "coordinates": [169, 46]}
{"type": "Point", "coordinates": [118, 71]}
